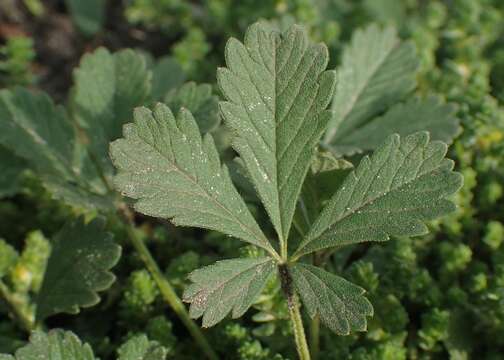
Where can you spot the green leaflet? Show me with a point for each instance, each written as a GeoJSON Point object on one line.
{"type": "Point", "coordinates": [173, 173]}
{"type": "Point", "coordinates": [56, 345]}
{"type": "Point", "coordinates": [377, 70]}
{"type": "Point", "coordinates": [200, 101]}
{"type": "Point", "coordinates": [277, 92]}
{"type": "Point", "coordinates": [392, 193]}
{"type": "Point", "coordinates": [11, 168]}
{"type": "Point", "coordinates": [107, 88]}
{"type": "Point", "coordinates": [167, 74]}
{"type": "Point", "coordinates": [340, 304]}
{"type": "Point", "coordinates": [81, 257]}
{"type": "Point", "coordinates": [228, 285]}
{"type": "Point", "coordinates": [430, 114]}
{"type": "Point", "coordinates": [140, 348]}
{"type": "Point", "coordinates": [33, 128]}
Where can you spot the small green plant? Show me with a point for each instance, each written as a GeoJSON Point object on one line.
{"type": "Point", "coordinates": [277, 91]}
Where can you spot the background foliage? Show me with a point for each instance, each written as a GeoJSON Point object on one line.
{"type": "Point", "coordinates": [435, 297]}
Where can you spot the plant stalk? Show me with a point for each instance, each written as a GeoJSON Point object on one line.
{"type": "Point", "coordinates": [166, 289]}
{"type": "Point", "coordinates": [315, 337]}
{"type": "Point", "coordinates": [295, 314]}
{"type": "Point", "coordinates": [25, 321]}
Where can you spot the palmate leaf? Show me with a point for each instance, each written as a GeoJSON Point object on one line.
{"type": "Point", "coordinates": [35, 129]}
{"type": "Point", "coordinates": [277, 92]}
{"type": "Point", "coordinates": [200, 101]}
{"type": "Point", "coordinates": [417, 114]}
{"type": "Point", "coordinates": [227, 286]}
{"type": "Point", "coordinates": [82, 255]}
{"type": "Point", "coordinates": [107, 88]}
{"type": "Point", "coordinates": [377, 71]}
{"type": "Point", "coordinates": [392, 193]}
{"type": "Point", "coordinates": [140, 348]}
{"type": "Point", "coordinates": [340, 304]}
{"type": "Point", "coordinates": [55, 345]}
{"type": "Point", "coordinates": [173, 173]}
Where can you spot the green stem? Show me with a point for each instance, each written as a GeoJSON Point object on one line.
{"type": "Point", "coordinates": [315, 337]}
{"type": "Point", "coordinates": [167, 291]}
{"type": "Point", "coordinates": [295, 314]}
{"type": "Point", "coordinates": [25, 320]}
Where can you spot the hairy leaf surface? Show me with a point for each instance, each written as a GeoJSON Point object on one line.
{"type": "Point", "coordinates": [227, 286]}
{"type": "Point", "coordinates": [430, 114]}
{"type": "Point", "coordinates": [277, 92]}
{"type": "Point", "coordinates": [377, 70]}
{"type": "Point", "coordinates": [392, 193]}
{"type": "Point", "coordinates": [200, 101]}
{"type": "Point", "coordinates": [55, 345]}
{"type": "Point", "coordinates": [81, 257]}
{"type": "Point", "coordinates": [33, 128]}
{"type": "Point", "coordinates": [140, 348]}
{"type": "Point", "coordinates": [340, 304]}
{"type": "Point", "coordinates": [107, 88]}
{"type": "Point", "coordinates": [173, 173]}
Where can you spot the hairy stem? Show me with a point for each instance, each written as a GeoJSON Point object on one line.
{"type": "Point", "coordinates": [295, 314]}
{"type": "Point", "coordinates": [26, 321]}
{"type": "Point", "coordinates": [165, 287]}
{"type": "Point", "coordinates": [315, 337]}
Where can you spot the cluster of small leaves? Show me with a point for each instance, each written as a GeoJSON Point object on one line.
{"type": "Point", "coordinates": [277, 92]}
{"type": "Point", "coordinates": [59, 344]}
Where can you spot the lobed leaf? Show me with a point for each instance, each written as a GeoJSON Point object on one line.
{"type": "Point", "coordinates": [107, 88]}
{"type": "Point", "coordinates": [173, 173]}
{"type": "Point", "coordinates": [340, 304]}
{"type": "Point", "coordinates": [392, 193]}
{"type": "Point", "coordinates": [226, 286]}
{"type": "Point", "coordinates": [55, 345]}
{"type": "Point", "coordinates": [36, 130]}
{"type": "Point", "coordinates": [377, 70]}
{"type": "Point", "coordinates": [82, 255]}
{"type": "Point", "coordinates": [277, 92]}
{"type": "Point", "coordinates": [200, 101]}
{"type": "Point", "coordinates": [417, 114]}
{"type": "Point", "coordinates": [140, 348]}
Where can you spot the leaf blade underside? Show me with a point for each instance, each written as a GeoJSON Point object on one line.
{"type": "Point", "coordinates": [172, 173]}
{"type": "Point", "coordinates": [340, 304]}
{"type": "Point", "coordinates": [226, 286]}
{"type": "Point", "coordinates": [392, 193]}
{"type": "Point", "coordinates": [277, 92]}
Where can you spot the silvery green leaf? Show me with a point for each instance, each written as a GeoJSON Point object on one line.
{"type": "Point", "coordinates": [392, 193]}
{"type": "Point", "coordinates": [107, 88]}
{"type": "Point", "coordinates": [277, 91]}
{"type": "Point", "coordinates": [172, 172]}
{"type": "Point", "coordinates": [227, 286]}
{"type": "Point", "coordinates": [341, 305]}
